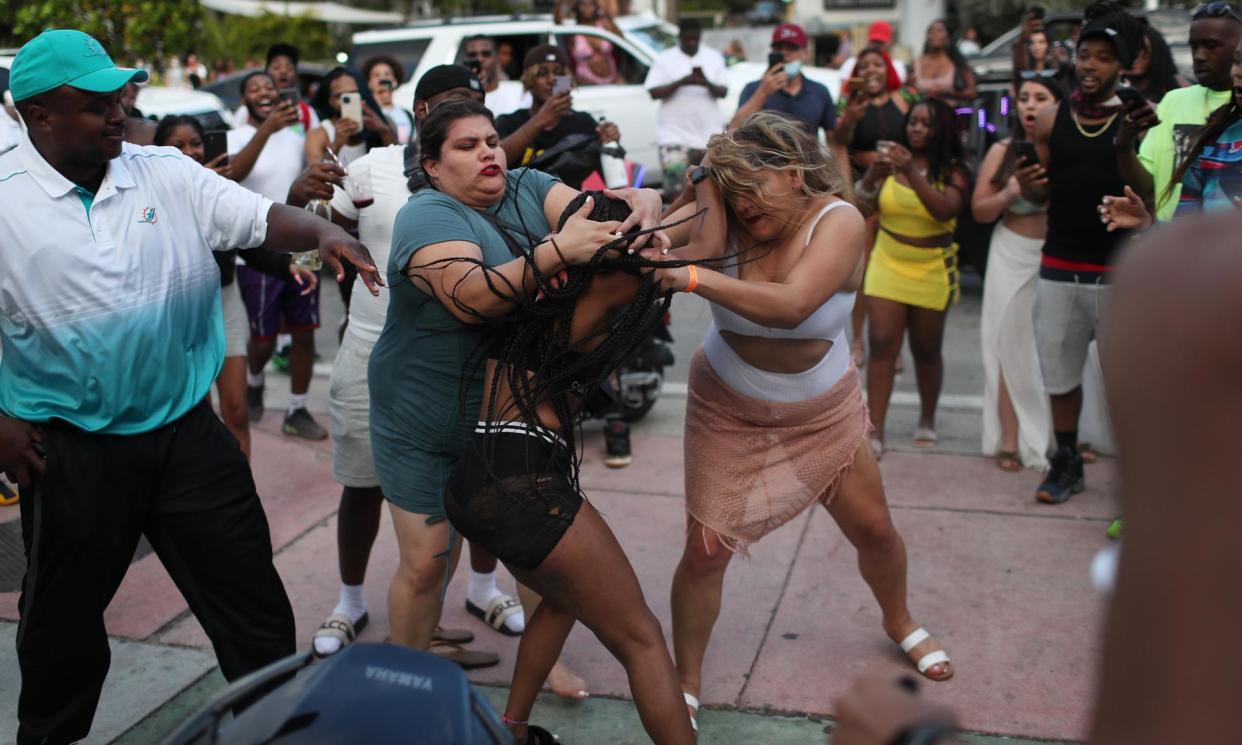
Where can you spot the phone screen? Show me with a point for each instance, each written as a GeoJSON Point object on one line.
{"type": "Point", "coordinates": [774, 59]}
{"type": "Point", "coordinates": [289, 94]}
{"type": "Point", "coordinates": [561, 84]}
{"type": "Point", "coordinates": [1024, 150]}
{"type": "Point", "coordinates": [1129, 96]}
{"type": "Point", "coordinates": [857, 84]}
{"type": "Point", "coordinates": [215, 144]}
{"type": "Point", "coordinates": [351, 107]}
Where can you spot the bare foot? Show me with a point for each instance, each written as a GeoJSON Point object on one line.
{"type": "Point", "coordinates": [565, 684]}
{"type": "Point", "coordinates": [939, 671]}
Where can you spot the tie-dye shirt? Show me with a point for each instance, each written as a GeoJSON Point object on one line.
{"type": "Point", "coordinates": [1215, 178]}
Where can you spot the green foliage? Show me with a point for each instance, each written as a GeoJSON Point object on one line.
{"type": "Point", "coordinates": [239, 38]}
{"type": "Point", "coordinates": [149, 29]}
{"type": "Point", "coordinates": [127, 28]}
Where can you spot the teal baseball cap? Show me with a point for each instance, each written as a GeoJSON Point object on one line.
{"type": "Point", "coordinates": [66, 57]}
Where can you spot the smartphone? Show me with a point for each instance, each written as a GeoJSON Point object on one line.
{"type": "Point", "coordinates": [774, 59]}
{"type": "Point", "coordinates": [215, 144]}
{"type": "Point", "coordinates": [1130, 98]}
{"type": "Point", "coordinates": [561, 84]}
{"type": "Point", "coordinates": [697, 71]}
{"type": "Point", "coordinates": [883, 145]}
{"type": "Point", "coordinates": [857, 84]}
{"type": "Point", "coordinates": [1024, 150]}
{"type": "Point", "coordinates": [289, 94]}
{"type": "Point", "coordinates": [351, 107]}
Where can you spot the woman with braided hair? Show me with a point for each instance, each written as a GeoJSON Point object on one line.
{"type": "Point", "coordinates": [775, 420]}
{"type": "Point", "coordinates": [420, 415]}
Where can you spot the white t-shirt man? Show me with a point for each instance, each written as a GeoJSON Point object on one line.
{"type": "Point", "coordinates": [277, 167]}
{"type": "Point", "coordinates": [691, 115]}
{"type": "Point", "coordinates": [384, 169]}
{"type": "Point", "coordinates": [507, 98]}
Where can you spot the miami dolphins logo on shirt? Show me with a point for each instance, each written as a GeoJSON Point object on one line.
{"type": "Point", "coordinates": [146, 216]}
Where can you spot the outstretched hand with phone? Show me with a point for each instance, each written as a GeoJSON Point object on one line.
{"type": "Point", "coordinates": [773, 80]}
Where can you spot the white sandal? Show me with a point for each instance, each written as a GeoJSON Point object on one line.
{"type": "Point", "coordinates": [693, 703]}
{"type": "Point", "coordinates": [939, 657]}
{"type": "Point", "coordinates": [497, 613]}
{"type": "Point", "coordinates": [339, 627]}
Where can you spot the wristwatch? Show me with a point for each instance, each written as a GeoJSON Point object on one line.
{"type": "Point", "coordinates": [927, 733]}
{"type": "Point", "coordinates": [698, 173]}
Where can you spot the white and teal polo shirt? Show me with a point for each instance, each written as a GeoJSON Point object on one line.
{"type": "Point", "coordinates": [110, 302]}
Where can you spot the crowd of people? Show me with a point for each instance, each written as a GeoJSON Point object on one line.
{"type": "Point", "coordinates": [491, 294]}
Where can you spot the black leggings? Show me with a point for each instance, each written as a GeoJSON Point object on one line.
{"type": "Point", "coordinates": [510, 493]}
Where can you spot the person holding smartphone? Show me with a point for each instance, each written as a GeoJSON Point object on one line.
{"type": "Point", "coordinates": [1082, 152]}
{"type": "Point", "coordinates": [529, 136]}
{"type": "Point", "coordinates": [783, 88]}
{"type": "Point", "coordinates": [1017, 427]}
{"type": "Point", "coordinates": [383, 74]}
{"type": "Point", "coordinates": [350, 119]}
{"type": "Point", "coordinates": [687, 80]}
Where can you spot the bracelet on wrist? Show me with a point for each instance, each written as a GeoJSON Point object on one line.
{"type": "Point", "coordinates": [693, 284]}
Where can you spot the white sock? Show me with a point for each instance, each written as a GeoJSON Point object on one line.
{"type": "Point", "coordinates": [254, 380]}
{"type": "Point", "coordinates": [296, 401]}
{"type": "Point", "coordinates": [283, 342]}
{"type": "Point", "coordinates": [482, 589]}
{"type": "Point", "coordinates": [352, 606]}
{"type": "Point", "coordinates": [352, 603]}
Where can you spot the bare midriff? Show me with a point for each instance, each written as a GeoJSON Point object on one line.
{"type": "Point", "coordinates": [783, 356]}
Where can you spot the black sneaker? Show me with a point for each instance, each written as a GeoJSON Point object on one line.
{"type": "Point", "coordinates": [617, 444]}
{"type": "Point", "coordinates": [254, 402]}
{"type": "Point", "coordinates": [1063, 478]}
{"type": "Point", "coordinates": [299, 423]}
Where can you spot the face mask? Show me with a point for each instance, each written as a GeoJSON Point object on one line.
{"type": "Point", "coordinates": [793, 68]}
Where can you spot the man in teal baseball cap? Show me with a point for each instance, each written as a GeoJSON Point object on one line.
{"type": "Point", "coordinates": [112, 335]}
{"type": "Point", "coordinates": [67, 89]}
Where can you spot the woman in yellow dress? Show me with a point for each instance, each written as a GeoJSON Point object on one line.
{"type": "Point", "coordinates": [919, 187]}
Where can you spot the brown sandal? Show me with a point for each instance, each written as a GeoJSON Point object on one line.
{"type": "Point", "coordinates": [1008, 461]}
{"type": "Point", "coordinates": [452, 636]}
{"type": "Point", "coordinates": [466, 659]}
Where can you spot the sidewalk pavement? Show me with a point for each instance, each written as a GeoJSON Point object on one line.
{"type": "Point", "coordinates": [1000, 580]}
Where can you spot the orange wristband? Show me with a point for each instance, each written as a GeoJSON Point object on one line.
{"type": "Point", "coordinates": [694, 278]}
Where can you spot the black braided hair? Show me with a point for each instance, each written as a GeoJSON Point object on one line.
{"type": "Point", "coordinates": [536, 357]}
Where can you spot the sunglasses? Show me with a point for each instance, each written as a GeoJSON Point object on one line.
{"type": "Point", "coordinates": [476, 55]}
{"type": "Point", "coordinates": [1033, 74]}
{"type": "Point", "coordinates": [1218, 9]}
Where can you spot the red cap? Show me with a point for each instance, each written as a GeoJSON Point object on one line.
{"type": "Point", "coordinates": [880, 31]}
{"type": "Point", "coordinates": [789, 33]}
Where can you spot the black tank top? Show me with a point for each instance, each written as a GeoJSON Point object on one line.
{"type": "Point", "coordinates": [1081, 171]}
{"type": "Point", "coordinates": [878, 123]}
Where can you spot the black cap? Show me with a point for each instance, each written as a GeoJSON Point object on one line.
{"type": "Point", "coordinates": [445, 78]}
{"type": "Point", "coordinates": [282, 50]}
{"type": "Point", "coordinates": [1101, 29]}
{"type": "Point", "coordinates": [546, 53]}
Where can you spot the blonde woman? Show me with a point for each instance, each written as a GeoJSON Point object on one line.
{"type": "Point", "coordinates": [775, 420]}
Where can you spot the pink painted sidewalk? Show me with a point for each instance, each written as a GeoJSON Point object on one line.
{"type": "Point", "coordinates": [1001, 580]}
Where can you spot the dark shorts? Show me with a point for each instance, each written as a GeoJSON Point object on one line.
{"type": "Point", "coordinates": [269, 299]}
{"type": "Point", "coordinates": [511, 494]}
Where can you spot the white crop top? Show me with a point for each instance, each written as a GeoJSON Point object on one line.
{"type": "Point", "coordinates": [827, 322]}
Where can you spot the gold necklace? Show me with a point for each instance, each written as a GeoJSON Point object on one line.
{"type": "Point", "coordinates": [1092, 135]}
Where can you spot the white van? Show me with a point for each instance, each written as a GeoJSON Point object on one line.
{"type": "Point", "coordinates": [423, 45]}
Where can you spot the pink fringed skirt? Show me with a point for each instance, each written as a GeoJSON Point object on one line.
{"type": "Point", "coordinates": [752, 465]}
